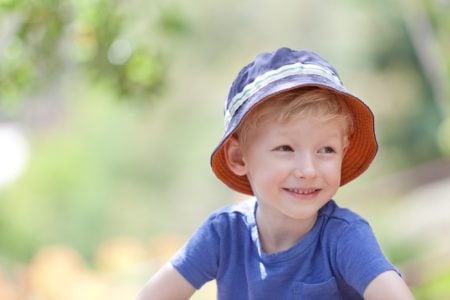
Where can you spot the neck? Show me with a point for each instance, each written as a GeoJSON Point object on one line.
{"type": "Point", "coordinates": [277, 234]}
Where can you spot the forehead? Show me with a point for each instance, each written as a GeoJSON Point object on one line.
{"type": "Point", "coordinates": [306, 122]}
{"type": "Point", "coordinates": [303, 127]}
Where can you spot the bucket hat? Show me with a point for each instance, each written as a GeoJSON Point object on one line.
{"type": "Point", "coordinates": [285, 69]}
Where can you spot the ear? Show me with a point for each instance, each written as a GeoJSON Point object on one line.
{"type": "Point", "coordinates": [234, 156]}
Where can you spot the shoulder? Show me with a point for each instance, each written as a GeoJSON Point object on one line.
{"type": "Point", "coordinates": [342, 226]}
{"type": "Point", "coordinates": [221, 237]}
{"type": "Point", "coordinates": [353, 248]}
{"type": "Point", "coordinates": [231, 221]}
{"type": "Point", "coordinates": [240, 213]}
{"type": "Point", "coordinates": [243, 209]}
{"type": "Point", "coordinates": [341, 218]}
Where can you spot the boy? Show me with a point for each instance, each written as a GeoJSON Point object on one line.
{"type": "Point", "coordinates": [293, 135]}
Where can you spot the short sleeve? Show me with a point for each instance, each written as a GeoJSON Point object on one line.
{"type": "Point", "coordinates": [359, 256]}
{"type": "Point", "coordinates": [198, 259]}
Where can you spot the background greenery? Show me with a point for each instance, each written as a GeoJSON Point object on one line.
{"type": "Point", "coordinates": [120, 103]}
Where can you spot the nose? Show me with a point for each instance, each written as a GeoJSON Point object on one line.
{"type": "Point", "coordinates": [305, 167]}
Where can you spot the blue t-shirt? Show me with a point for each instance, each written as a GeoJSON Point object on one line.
{"type": "Point", "coordinates": [337, 259]}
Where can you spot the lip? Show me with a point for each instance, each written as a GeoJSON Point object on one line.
{"type": "Point", "coordinates": [303, 193]}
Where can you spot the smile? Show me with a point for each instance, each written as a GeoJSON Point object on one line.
{"type": "Point", "coordinates": [303, 191]}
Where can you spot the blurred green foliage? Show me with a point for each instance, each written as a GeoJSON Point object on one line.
{"type": "Point", "coordinates": [419, 46]}
{"type": "Point", "coordinates": [435, 288]}
{"type": "Point", "coordinates": [43, 39]}
{"type": "Point", "coordinates": [99, 48]}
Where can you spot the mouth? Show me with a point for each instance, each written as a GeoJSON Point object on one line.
{"type": "Point", "coordinates": [303, 191]}
{"type": "Point", "coordinates": [303, 194]}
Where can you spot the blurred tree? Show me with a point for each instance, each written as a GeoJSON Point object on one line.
{"type": "Point", "coordinates": [418, 44]}
{"type": "Point", "coordinates": [41, 39]}
{"type": "Point", "coordinates": [122, 49]}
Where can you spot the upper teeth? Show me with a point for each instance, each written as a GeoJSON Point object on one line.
{"type": "Point", "coordinates": [303, 191]}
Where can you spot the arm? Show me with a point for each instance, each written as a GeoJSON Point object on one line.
{"type": "Point", "coordinates": [192, 266]}
{"type": "Point", "coordinates": [388, 286]}
{"type": "Point", "coordinates": [167, 284]}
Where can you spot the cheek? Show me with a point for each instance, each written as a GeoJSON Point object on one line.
{"type": "Point", "coordinates": [266, 173]}
{"type": "Point", "coordinates": [332, 170]}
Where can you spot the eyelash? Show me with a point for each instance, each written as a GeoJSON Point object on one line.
{"type": "Point", "coordinates": [328, 149]}
{"type": "Point", "coordinates": [287, 148]}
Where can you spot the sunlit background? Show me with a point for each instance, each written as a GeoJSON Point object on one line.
{"type": "Point", "coordinates": [110, 109]}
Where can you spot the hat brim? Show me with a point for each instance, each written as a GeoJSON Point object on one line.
{"type": "Point", "coordinates": [362, 146]}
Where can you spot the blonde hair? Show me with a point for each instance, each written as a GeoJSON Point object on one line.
{"type": "Point", "coordinates": [316, 102]}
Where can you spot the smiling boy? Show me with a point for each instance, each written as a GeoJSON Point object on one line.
{"type": "Point", "coordinates": [293, 136]}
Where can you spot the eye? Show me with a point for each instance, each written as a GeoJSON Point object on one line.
{"type": "Point", "coordinates": [327, 149]}
{"type": "Point", "coordinates": [284, 148]}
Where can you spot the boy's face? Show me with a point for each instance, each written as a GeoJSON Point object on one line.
{"type": "Point", "coordinates": [294, 167]}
